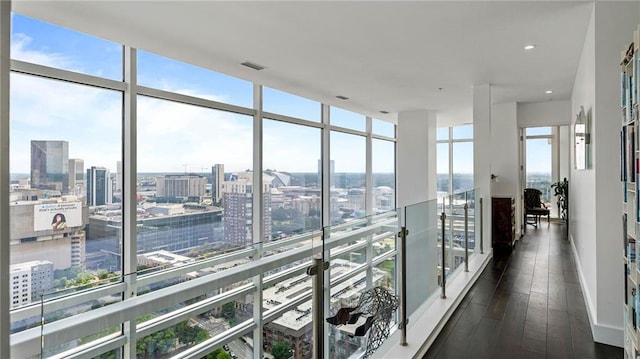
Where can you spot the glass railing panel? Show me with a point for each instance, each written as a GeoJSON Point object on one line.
{"type": "Point", "coordinates": [471, 229]}
{"type": "Point", "coordinates": [363, 255]}
{"type": "Point", "coordinates": [289, 334]}
{"type": "Point", "coordinates": [343, 341]}
{"type": "Point", "coordinates": [287, 293]}
{"type": "Point", "coordinates": [423, 253]}
{"type": "Point", "coordinates": [454, 232]}
{"type": "Point", "coordinates": [477, 223]}
{"type": "Point", "coordinates": [171, 330]}
{"type": "Point", "coordinates": [67, 309]}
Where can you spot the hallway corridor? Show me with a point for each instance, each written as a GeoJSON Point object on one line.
{"type": "Point", "coordinates": [527, 304]}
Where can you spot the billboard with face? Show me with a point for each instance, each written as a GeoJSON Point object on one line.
{"type": "Point", "coordinates": [57, 216]}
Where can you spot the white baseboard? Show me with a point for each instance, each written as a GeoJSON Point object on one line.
{"type": "Point", "coordinates": [602, 333]}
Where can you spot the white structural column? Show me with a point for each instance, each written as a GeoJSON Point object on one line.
{"type": "Point", "coordinates": [482, 154]}
{"type": "Point", "coordinates": [416, 184]}
{"type": "Point", "coordinates": [5, 36]}
{"type": "Point", "coordinates": [416, 157]}
{"type": "Point", "coordinates": [505, 155]}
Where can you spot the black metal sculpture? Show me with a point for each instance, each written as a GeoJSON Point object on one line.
{"type": "Point", "coordinates": [374, 311]}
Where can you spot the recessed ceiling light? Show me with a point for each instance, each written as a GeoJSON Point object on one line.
{"type": "Point", "coordinates": [529, 47]}
{"type": "Point", "coordinates": [383, 111]}
{"type": "Point", "coordinates": [342, 97]}
{"type": "Point", "coordinates": [253, 65]}
{"type": "Point", "coordinates": [548, 91]}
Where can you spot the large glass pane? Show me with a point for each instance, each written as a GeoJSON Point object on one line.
{"type": "Point", "coordinates": [170, 75]}
{"type": "Point", "coordinates": [442, 133]}
{"type": "Point", "coordinates": [538, 164]}
{"type": "Point", "coordinates": [442, 165]}
{"type": "Point", "coordinates": [454, 231]}
{"type": "Point", "coordinates": [462, 132]}
{"type": "Point", "coordinates": [58, 129]}
{"type": "Point", "coordinates": [287, 312]}
{"type": "Point", "coordinates": [346, 119]}
{"type": "Point", "coordinates": [347, 165]}
{"type": "Point", "coordinates": [291, 160]}
{"type": "Point", "coordinates": [182, 151]}
{"type": "Point", "coordinates": [76, 306]}
{"type": "Point", "coordinates": [363, 277]}
{"type": "Point", "coordinates": [423, 253]}
{"type": "Point", "coordinates": [462, 170]}
{"type": "Point", "coordinates": [201, 317]}
{"type": "Point", "coordinates": [384, 183]}
{"type": "Point", "coordinates": [50, 45]}
{"type": "Point", "coordinates": [284, 103]}
{"type": "Point", "coordinates": [384, 128]}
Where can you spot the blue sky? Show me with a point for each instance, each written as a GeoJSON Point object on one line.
{"type": "Point", "coordinates": [171, 137]}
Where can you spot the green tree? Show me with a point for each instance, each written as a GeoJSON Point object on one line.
{"type": "Point", "coordinates": [214, 354]}
{"type": "Point", "coordinates": [229, 310]}
{"type": "Point", "coordinates": [281, 350]}
{"type": "Point", "coordinates": [187, 334]}
{"type": "Point", "coordinates": [224, 355]}
{"type": "Point", "coordinates": [157, 343]}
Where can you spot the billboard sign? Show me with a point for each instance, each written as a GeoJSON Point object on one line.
{"type": "Point", "coordinates": [57, 216]}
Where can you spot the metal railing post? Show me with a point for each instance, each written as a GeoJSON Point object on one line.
{"type": "Point", "coordinates": [466, 236]}
{"type": "Point", "coordinates": [481, 230]}
{"type": "Point", "coordinates": [444, 269]}
{"type": "Point", "coordinates": [403, 286]}
{"type": "Point", "coordinates": [317, 308]}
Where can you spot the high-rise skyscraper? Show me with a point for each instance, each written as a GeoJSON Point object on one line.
{"type": "Point", "coordinates": [217, 181]}
{"type": "Point", "coordinates": [77, 184]}
{"type": "Point", "coordinates": [50, 165]}
{"type": "Point", "coordinates": [99, 186]}
{"type": "Point", "coordinates": [238, 194]}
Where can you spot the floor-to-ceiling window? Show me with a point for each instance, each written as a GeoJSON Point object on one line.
{"type": "Point", "coordinates": [455, 191]}
{"type": "Point", "coordinates": [542, 153]}
{"type": "Point", "coordinates": [454, 159]}
{"type": "Point", "coordinates": [227, 205]}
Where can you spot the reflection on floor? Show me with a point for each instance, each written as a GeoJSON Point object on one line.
{"type": "Point", "coordinates": [526, 304]}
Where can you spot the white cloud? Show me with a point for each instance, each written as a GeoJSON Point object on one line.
{"type": "Point", "coordinates": [19, 51]}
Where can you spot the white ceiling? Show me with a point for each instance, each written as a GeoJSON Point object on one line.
{"type": "Point", "coordinates": [383, 55]}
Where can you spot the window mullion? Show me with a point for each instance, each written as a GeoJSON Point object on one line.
{"type": "Point", "coordinates": [129, 214]}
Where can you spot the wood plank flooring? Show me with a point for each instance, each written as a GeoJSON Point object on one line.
{"type": "Point", "coordinates": [526, 304]}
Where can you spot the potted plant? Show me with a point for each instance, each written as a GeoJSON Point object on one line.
{"type": "Point", "coordinates": [561, 191]}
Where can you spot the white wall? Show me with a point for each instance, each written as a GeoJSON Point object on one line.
{"type": "Point", "coordinates": [596, 194]}
{"type": "Point", "coordinates": [615, 23]}
{"type": "Point", "coordinates": [504, 154]}
{"type": "Point", "coordinates": [582, 226]}
{"type": "Point", "coordinates": [549, 113]}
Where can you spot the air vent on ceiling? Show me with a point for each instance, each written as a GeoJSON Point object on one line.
{"type": "Point", "coordinates": [342, 97]}
{"type": "Point", "coordinates": [385, 112]}
{"type": "Point", "coordinates": [253, 66]}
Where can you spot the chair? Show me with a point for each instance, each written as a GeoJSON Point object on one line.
{"type": "Point", "coordinates": [534, 208]}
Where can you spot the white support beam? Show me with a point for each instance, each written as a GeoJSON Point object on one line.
{"type": "Point", "coordinates": [258, 220]}
{"type": "Point", "coordinates": [129, 192]}
{"type": "Point", "coordinates": [5, 45]}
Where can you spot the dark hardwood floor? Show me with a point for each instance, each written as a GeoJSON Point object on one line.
{"type": "Point", "coordinates": [526, 304]}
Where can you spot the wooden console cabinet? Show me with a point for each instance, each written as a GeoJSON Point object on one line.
{"type": "Point", "coordinates": [503, 223]}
